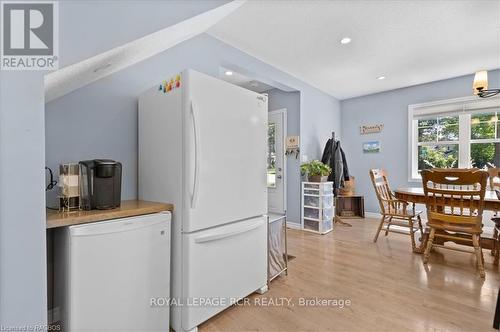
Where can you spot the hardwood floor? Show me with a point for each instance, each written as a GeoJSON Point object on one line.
{"type": "Point", "coordinates": [388, 286]}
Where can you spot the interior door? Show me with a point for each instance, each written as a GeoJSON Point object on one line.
{"type": "Point", "coordinates": [225, 157]}
{"type": "Point", "coordinates": [276, 167]}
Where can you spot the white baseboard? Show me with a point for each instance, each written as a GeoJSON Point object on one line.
{"type": "Point", "coordinates": [293, 225]}
{"type": "Point", "coordinates": [376, 215]}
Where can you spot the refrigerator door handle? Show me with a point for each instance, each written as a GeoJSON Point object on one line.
{"type": "Point", "coordinates": [194, 196]}
{"type": "Point", "coordinates": [220, 236]}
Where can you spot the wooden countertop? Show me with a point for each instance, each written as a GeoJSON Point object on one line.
{"type": "Point", "coordinates": [127, 209]}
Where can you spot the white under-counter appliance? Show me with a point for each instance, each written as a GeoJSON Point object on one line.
{"type": "Point", "coordinates": [202, 147]}
{"type": "Point", "coordinates": [114, 275]}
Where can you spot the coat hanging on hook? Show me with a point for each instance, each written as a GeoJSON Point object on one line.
{"type": "Point", "coordinates": [334, 156]}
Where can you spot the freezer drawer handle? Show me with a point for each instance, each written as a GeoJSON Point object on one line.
{"type": "Point", "coordinates": [215, 237]}
{"type": "Point", "coordinates": [194, 197]}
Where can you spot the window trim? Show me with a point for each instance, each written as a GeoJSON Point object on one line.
{"type": "Point", "coordinates": [461, 106]}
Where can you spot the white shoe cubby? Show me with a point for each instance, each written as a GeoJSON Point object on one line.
{"type": "Point", "coordinates": [318, 208]}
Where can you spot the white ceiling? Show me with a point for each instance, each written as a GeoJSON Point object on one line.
{"type": "Point", "coordinates": [244, 81]}
{"type": "Point", "coordinates": [409, 42]}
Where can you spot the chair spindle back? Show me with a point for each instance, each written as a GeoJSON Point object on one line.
{"type": "Point", "coordinates": [455, 196]}
{"type": "Point", "coordinates": [382, 189]}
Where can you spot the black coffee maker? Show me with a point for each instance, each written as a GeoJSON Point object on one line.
{"type": "Point", "coordinates": [100, 184]}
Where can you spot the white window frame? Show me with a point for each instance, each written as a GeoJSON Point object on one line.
{"type": "Point", "coordinates": [461, 106]}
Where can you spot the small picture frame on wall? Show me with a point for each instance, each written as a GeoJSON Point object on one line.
{"type": "Point", "coordinates": [371, 147]}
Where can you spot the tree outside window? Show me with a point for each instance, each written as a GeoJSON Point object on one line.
{"type": "Point", "coordinates": [485, 140]}
{"type": "Point", "coordinates": [440, 140]}
{"type": "Point", "coordinates": [438, 146]}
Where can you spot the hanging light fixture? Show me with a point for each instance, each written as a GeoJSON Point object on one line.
{"type": "Point", "coordinates": [480, 85]}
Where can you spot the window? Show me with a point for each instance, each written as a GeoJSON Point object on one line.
{"type": "Point", "coordinates": [271, 155]}
{"type": "Point", "coordinates": [438, 143]}
{"type": "Point", "coordinates": [485, 140]}
{"type": "Point", "coordinates": [461, 133]}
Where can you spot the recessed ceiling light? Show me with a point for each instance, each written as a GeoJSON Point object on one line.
{"type": "Point", "coordinates": [381, 78]}
{"type": "Point", "coordinates": [345, 40]}
{"type": "Point", "coordinates": [228, 73]}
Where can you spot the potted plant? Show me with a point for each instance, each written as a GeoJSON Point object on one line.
{"type": "Point", "coordinates": [316, 171]}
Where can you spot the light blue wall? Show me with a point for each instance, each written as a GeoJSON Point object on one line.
{"type": "Point", "coordinates": [313, 117]}
{"type": "Point", "coordinates": [90, 27]}
{"type": "Point", "coordinates": [23, 296]}
{"type": "Point", "coordinates": [391, 109]}
{"type": "Point", "coordinates": [316, 124]}
{"type": "Point", "coordinates": [100, 120]}
{"type": "Point", "coordinates": [291, 101]}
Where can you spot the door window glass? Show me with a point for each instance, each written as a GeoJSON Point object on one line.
{"type": "Point", "coordinates": [271, 155]}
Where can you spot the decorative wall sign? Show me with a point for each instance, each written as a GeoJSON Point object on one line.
{"type": "Point", "coordinates": [371, 129]}
{"type": "Point", "coordinates": [292, 142]}
{"type": "Point", "coordinates": [292, 145]}
{"type": "Point", "coordinates": [371, 147]}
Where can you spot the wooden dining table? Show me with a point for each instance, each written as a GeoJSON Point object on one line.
{"type": "Point", "coordinates": [416, 195]}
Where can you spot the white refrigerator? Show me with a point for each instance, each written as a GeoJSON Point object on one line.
{"type": "Point", "coordinates": [202, 146]}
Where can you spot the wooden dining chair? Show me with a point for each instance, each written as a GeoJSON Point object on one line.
{"type": "Point", "coordinates": [395, 212]}
{"type": "Point", "coordinates": [493, 177]}
{"type": "Point", "coordinates": [496, 229]}
{"type": "Point", "coordinates": [496, 240]}
{"type": "Point", "coordinates": [494, 184]}
{"type": "Point", "coordinates": [455, 201]}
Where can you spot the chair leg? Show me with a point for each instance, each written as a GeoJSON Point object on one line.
{"type": "Point", "coordinates": [495, 247]}
{"type": "Point", "coordinates": [388, 225]}
{"type": "Point", "coordinates": [420, 227]}
{"type": "Point", "coordinates": [479, 254]}
{"type": "Point", "coordinates": [412, 234]}
{"type": "Point", "coordinates": [497, 251]}
{"type": "Point", "coordinates": [379, 228]}
{"type": "Point", "coordinates": [429, 245]}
